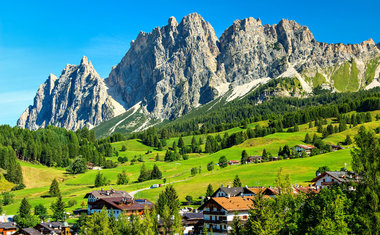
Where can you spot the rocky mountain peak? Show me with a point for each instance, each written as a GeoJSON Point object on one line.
{"type": "Point", "coordinates": [77, 98]}
{"type": "Point", "coordinates": [172, 22]}
{"type": "Point", "coordinates": [174, 68]}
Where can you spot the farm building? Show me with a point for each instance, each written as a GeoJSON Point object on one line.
{"type": "Point", "coordinates": [306, 148]}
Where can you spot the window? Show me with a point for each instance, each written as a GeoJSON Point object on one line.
{"type": "Point", "coordinates": [245, 217]}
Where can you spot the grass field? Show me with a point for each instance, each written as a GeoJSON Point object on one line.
{"type": "Point", "coordinates": [74, 187]}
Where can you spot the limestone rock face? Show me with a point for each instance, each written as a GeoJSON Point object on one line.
{"type": "Point", "coordinates": [169, 69]}
{"type": "Point", "coordinates": [77, 98]}
{"type": "Point", "coordinates": [180, 66]}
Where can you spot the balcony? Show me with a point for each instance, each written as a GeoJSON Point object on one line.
{"type": "Point", "coordinates": [214, 212]}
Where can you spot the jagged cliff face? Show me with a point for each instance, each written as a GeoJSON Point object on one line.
{"type": "Point", "coordinates": [177, 67]}
{"type": "Point", "coordinates": [170, 69]}
{"type": "Point", "coordinates": [77, 98]}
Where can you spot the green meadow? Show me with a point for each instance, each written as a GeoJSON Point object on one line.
{"type": "Point", "coordinates": [37, 178]}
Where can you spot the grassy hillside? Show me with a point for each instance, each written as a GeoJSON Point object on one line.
{"type": "Point", "coordinates": [73, 187]}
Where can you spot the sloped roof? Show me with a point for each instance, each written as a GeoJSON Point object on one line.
{"type": "Point", "coordinates": [8, 225]}
{"type": "Point", "coordinates": [341, 176]}
{"type": "Point", "coordinates": [241, 203]}
{"type": "Point", "coordinates": [124, 205]}
{"type": "Point", "coordinates": [30, 231]}
{"type": "Point", "coordinates": [108, 194]}
{"type": "Point", "coordinates": [232, 191]}
{"type": "Point", "coordinates": [306, 146]}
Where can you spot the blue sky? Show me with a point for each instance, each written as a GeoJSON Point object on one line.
{"type": "Point", "coordinates": [41, 37]}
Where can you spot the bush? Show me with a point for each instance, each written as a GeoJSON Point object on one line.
{"type": "Point", "coordinates": [194, 171]}
{"type": "Point", "coordinates": [223, 162]}
{"type": "Point", "coordinates": [210, 166]}
{"type": "Point", "coordinates": [71, 203]}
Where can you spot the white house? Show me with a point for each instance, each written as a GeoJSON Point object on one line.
{"type": "Point", "coordinates": [329, 178]}
{"type": "Point", "coordinates": [306, 148]}
{"type": "Point", "coordinates": [219, 212]}
{"type": "Point", "coordinates": [232, 192]}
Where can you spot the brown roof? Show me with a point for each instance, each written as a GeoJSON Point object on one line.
{"type": "Point", "coordinates": [257, 190]}
{"type": "Point", "coordinates": [124, 204]}
{"type": "Point", "coordinates": [108, 194]}
{"type": "Point", "coordinates": [306, 146]}
{"type": "Point", "coordinates": [235, 203]}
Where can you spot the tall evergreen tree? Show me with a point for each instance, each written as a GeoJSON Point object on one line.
{"type": "Point", "coordinates": [54, 188]}
{"type": "Point", "coordinates": [98, 223]}
{"type": "Point", "coordinates": [122, 178]}
{"type": "Point", "coordinates": [237, 182]}
{"type": "Point", "coordinates": [244, 157]}
{"type": "Point", "coordinates": [210, 191]}
{"type": "Point", "coordinates": [156, 173]}
{"type": "Point", "coordinates": [58, 209]}
{"type": "Point", "coordinates": [181, 144]}
{"type": "Point", "coordinates": [365, 162]}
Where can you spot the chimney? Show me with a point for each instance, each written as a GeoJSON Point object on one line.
{"type": "Point", "coordinates": [221, 186]}
{"type": "Point", "coordinates": [228, 186]}
{"type": "Point", "coordinates": [228, 195]}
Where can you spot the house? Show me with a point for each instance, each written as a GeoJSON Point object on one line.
{"type": "Point", "coordinates": [116, 201]}
{"type": "Point", "coordinates": [336, 147]}
{"type": "Point", "coordinates": [232, 192]}
{"type": "Point", "coordinates": [334, 177]}
{"type": "Point", "coordinates": [307, 148]}
{"type": "Point", "coordinates": [8, 228]}
{"type": "Point", "coordinates": [254, 159]}
{"type": "Point", "coordinates": [233, 162]}
{"type": "Point", "coordinates": [271, 158]}
{"type": "Point", "coordinates": [219, 212]}
{"type": "Point", "coordinates": [192, 223]}
{"type": "Point", "coordinates": [48, 228]}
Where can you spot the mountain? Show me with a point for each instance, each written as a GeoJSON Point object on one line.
{"type": "Point", "coordinates": [181, 66]}
{"type": "Point", "coordinates": [77, 98]}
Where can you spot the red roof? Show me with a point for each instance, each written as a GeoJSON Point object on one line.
{"type": "Point", "coordinates": [306, 146]}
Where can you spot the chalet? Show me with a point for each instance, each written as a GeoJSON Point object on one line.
{"type": "Point", "coordinates": [219, 212]}
{"type": "Point", "coordinates": [306, 148]}
{"type": "Point", "coordinates": [329, 178]}
{"type": "Point", "coordinates": [254, 159]}
{"type": "Point", "coordinates": [232, 192]}
{"type": "Point", "coordinates": [271, 158]}
{"type": "Point", "coordinates": [48, 228]}
{"type": "Point", "coordinates": [192, 223]}
{"type": "Point", "coordinates": [336, 147]}
{"type": "Point", "coordinates": [8, 228]}
{"type": "Point", "coordinates": [233, 162]}
{"type": "Point", "coordinates": [116, 201]}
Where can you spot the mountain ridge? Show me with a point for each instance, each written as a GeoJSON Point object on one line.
{"type": "Point", "coordinates": [181, 66]}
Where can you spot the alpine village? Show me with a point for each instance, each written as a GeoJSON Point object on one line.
{"type": "Point", "coordinates": [264, 130]}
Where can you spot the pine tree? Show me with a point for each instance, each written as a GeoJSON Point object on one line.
{"type": "Point", "coordinates": [54, 188]}
{"type": "Point", "coordinates": [265, 155]}
{"type": "Point", "coordinates": [223, 162]}
{"type": "Point", "coordinates": [122, 178]}
{"type": "Point", "coordinates": [244, 157]}
{"type": "Point", "coordinates": [98, 223]}
{"type": "Point", "coordinates": [210, 166]}
{"type": "Point", "coordinates": [348, 140]}
{"type": "Point", "coordinates": [181, 144]}
{"type": "Point", "coordinates": [58, 208]}
{"type": "Point", "coordinates": [25, 208]}
{"type": "Point", "coordinates": [157, 157]}
{"type": "Point", "coordinates": [210, 191]}
{"type": "Point", "coordinates": [307, 139]}
{"type": "Point", "coordinates": [156, 173]}
{"type": "Point", "coordinates": [237, 182]}
{"type": "Point", "coordinates": [144, 174]}
{"type": "Point", "coordinates": [41, 211]}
